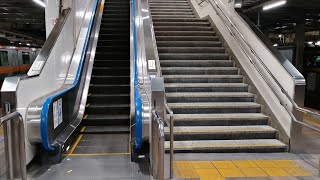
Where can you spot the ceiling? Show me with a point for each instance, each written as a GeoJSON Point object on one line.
{"type": "Point", "coordinates": [22, 21]}
{"type": "Point", "coordinates": [285, 18]}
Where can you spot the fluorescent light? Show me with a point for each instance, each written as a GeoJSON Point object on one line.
{"type": "Point", "coordinates": [275, 45]}
{"type": "Point", "coordinates": [41, 3]}
{"type": "Point", "coordinates": [28, 44]}
{"type": "Point", "coordinates": [20, 43]}
{"type": "Point", "coordinates": [318, 43]}
{"type": "Point", "coordinates": [273, 5]}
{"type": "Point", "coordinates": [310, 42]}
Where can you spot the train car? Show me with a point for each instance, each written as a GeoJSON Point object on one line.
{"type": "Point", "coordinates": [16, 60]}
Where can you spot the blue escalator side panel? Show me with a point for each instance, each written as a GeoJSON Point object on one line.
{"type": "Point", "coordinates": [138, 103]}
{"type": "Point", "coordinates": [46, 106]}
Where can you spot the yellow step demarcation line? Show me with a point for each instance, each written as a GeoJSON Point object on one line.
{"type": "Point", "coordinates": [219, 170]}
{"type": "Point", "coordinates": [77, 141]}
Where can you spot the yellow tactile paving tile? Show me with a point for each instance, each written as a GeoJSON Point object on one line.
{"type": "Point", "coordinates": [202, 165]}
{"type": "Point", "coordinates": [253, 172]}
{"type": "Point", "coordinates": [298, 171]}
{"type": "Point", "coordinates": [223, 164]}
{"type": "Point", "coordinates": [286, 163]}
{"type": "Point", "coordinates": [275, 171]}
{"type": "Point", "coordinates": [209, 174]}
{"type": "Point", "coordinates": [244, 164]}
{"type": "Point", "coordinates": [233, 172]}
{"type": "Point", "coordinates": [183, 169]}
{"type": "Point", "coordinates": [217, 170]}
{"type": "Point", "coordinates": [265, 163]}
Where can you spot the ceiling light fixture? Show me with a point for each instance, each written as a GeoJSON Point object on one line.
{"type": "Point", "coordinates": [275, 4]}
{"type": "Point", "coordinates": [41, 3]}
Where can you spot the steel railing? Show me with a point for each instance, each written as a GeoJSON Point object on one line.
{"type": "Point", "coordinates": [14, 140]}
{"type": "Point", "coordinates": [284, 104]}
{"type": "Point", "coordinates": [158, 139]}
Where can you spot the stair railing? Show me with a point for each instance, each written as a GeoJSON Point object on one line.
{"type": "Point", "coordinates": [158, 145]}
{"type": "Point", "coordinates": [14, 145]}
{"type": "Point", "coordinates": [219, 11]}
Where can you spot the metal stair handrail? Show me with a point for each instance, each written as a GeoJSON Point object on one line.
{"type": "Point", "coordinates": [10, 142]}
{"type": "Point", "coordinates": [284, 104]}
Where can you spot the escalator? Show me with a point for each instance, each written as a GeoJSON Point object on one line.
{"type": "Point", "coordinates": [213, 108]}
{"type": "Point", "coordinates": [106, 120]}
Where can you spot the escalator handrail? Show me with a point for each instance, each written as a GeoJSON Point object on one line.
{"type": "Point", "coordinates": [49, 100]}
{"type": "Point", "coordinates": [298, 80]}
{"type": "Point", "coordinates": [137, 97]}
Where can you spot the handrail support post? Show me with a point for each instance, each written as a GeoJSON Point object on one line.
{"type": "Point", "coordinates": [157, 143]}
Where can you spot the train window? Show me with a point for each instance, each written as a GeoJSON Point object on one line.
{"type": "Point", "coordinates": [4, 58]}
{"type": "Point", "coordinates": [26, 57]}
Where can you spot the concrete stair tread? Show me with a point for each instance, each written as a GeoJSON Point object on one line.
{"type": "Point", "coordinates": [214, 105]}
{"type": "Point", "coordinates": [210, 94]}
{"type": "Point", "coordinates": [206, 85]}
{"type": "Point", "coordinates": [225, 144]}
{"type": "Point", "coordinates": [215, 117]}
{"type": "Point", "coordinates": [190, 130]}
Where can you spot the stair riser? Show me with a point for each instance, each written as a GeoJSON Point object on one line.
{"type": "Point", "coordinates": [197, 64]}
{"type": "Point", "coordinates": [182, 28]}
{"type": "Point", "coordinates": [200, 110]}
{"type": "Point", "coordinates": [109, 99]}
{"type": "Point", "coordinates": [209, 99]}
{"type": "Point", "coordinates": [193, 56]}
{"type": "Point", "coordinates": [191, 50]}
{"type": "Point", "coordinates": [155, 20]}
{"type": "Point", "coordinates": [222, 136]}
{"type": "Point", "coordinates": [114, 63]}
{"type": "Point", "coordinates": [199, 72]}
{"type": "Point", "coordinates": [197, 122]}
{"type": "Point", "coordinates": [187, 38]}
{"type": "Point", "coordinates": [170, 10]}
{"type": "Point", "coordinates": [202, 80]}
{"type": "Point", "coordinates": [188, 44]}
{"type": "Point", "coordinates": [184, 33]}
{"type": "Point", "coordinates": [173, 13]}
{"type": "Point", "coordinates": [232, 150]}
{"type": "Point", "coordinates": [110, 80]}
{"type": "Point", "coordinates": [200, 89]}
{"type": "Point", "coordinates": [176, 16]}
{"type": "Point", "coordinates": [109, 90]}
{"type": "Point", "coordinates": [169, 7]}
{"type": "Point", "coordinates": [108, 122]}
{"type": "Point", "coordinates": [107, 110]}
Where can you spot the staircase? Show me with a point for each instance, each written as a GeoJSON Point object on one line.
{"type": "Point", "coordinates": [213, 110]}
{"type": "Point", "coordinates": [108, 103]}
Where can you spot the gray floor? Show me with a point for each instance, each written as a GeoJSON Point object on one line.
{"type": "Point", "coordinates": [92, 167]}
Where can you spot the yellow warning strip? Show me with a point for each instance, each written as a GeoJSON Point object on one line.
{"type": "Point", "coordinates": [88, 105]}
{"type": "Point", "coordinates": [77, 141]}
{"type": "Point", "coordinates": [99, 154]}
{"type": "Point", "coordinates": [219, 170]}
{"type": "Point", "coordinates": [85, 117]}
